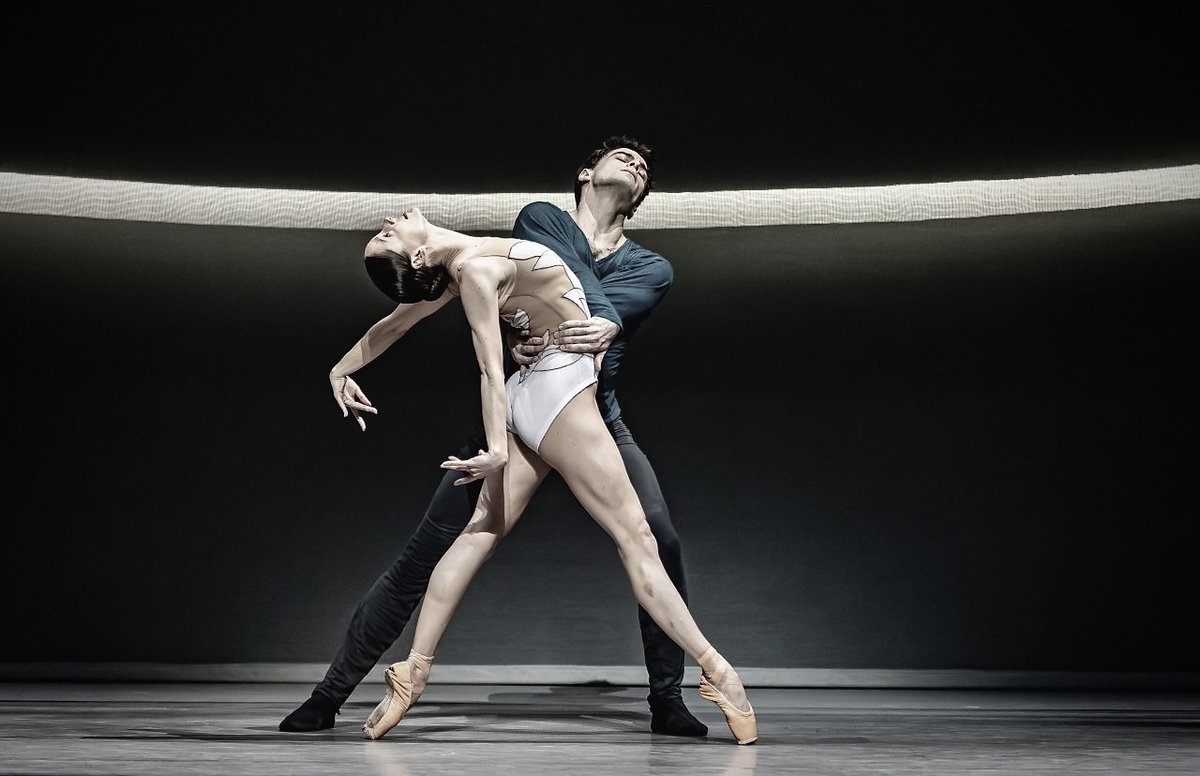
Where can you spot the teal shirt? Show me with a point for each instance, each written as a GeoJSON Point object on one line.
{"type": "Point", "coordinates": [623, 287]}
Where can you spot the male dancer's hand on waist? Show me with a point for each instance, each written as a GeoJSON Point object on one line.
{"type": "Point", "coordinates": [591, 336]}
{"type": "Point", "coordinates": [525, 350]}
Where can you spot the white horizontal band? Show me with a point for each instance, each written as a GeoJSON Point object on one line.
{"type": "Point", "coordinates": [307, 209]}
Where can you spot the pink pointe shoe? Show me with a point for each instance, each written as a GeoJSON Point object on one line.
{"type": "Point", "coordinates": [741, 723]}
{"type": "Point", "coordinates": [400, 696]}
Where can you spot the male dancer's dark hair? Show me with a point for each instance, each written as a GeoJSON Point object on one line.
{"type": "Point", "coordinates": [612, 143]}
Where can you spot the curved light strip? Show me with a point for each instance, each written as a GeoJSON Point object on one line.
{"type": "Point", "coordinates": [306, 209]}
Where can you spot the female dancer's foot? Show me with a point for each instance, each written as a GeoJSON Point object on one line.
{"type": "Point", "coordinates": [720, 684]}
{"type": "Point", "coordinates": [405, 683]}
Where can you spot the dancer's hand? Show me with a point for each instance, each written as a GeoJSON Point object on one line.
{"type": "Point", "coordinates": [591, 336]}
{"type": "Point", "coordinates": [476, 468]}
{"type": "Point", "coordinates": [351, 399]}
{"type": "Point", "coordinates": [525, 350]}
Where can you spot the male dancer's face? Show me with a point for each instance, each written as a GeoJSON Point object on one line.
{"type": "Point", "coordinates": [622, 167]}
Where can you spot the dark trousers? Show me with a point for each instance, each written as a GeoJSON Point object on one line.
{"type": "Point", "coordinates": [384, 611]}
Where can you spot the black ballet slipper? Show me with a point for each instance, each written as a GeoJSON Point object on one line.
{"type": "Point", "coordinates": [316, 713]}
{"type": "Point", "coordinates": [669, 716]}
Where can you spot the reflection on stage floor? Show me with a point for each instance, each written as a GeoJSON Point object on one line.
{"type": "Point", "coordinates": [199, 728]}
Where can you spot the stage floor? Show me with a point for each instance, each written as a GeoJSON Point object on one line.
{"type": "Point", "coordinates": [58, 728]}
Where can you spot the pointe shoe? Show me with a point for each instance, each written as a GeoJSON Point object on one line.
{"type": "Point", "coordinates": [741, 723]}
{"type": "Point", "coordinates": [399, 697]}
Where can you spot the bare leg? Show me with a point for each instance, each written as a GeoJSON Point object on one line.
{"type": "Point", "coordinates": [501, 502]}
{"type": "Point", "coordinates": [500, 505]}
{"type": "Point", "coordinates": [580, 448]}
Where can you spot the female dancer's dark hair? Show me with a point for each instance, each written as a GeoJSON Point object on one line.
{"type": "Point", "coordinates": [394, 275]}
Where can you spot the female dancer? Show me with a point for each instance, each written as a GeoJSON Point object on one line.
{"type": "Point", "coordinates": [544, 418]}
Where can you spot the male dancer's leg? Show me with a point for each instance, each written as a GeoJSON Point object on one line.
{"type": "Point", "coordinates": [664, 658]}
{"type": "Point", "coordinates": [383, 613]}
{"type": "Point", "coordinates": [385, 610]}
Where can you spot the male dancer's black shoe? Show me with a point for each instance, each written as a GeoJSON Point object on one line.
{"type": "Point", "coordinates": [670, 717]}
{"type": "Point", "coordinates": [316, 713]}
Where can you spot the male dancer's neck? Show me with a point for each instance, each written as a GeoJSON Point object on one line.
{"type": "Point", "coordinates": [602, 222]}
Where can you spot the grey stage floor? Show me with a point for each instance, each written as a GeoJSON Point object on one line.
{"type": "Point", "coordinates": [472, 729]}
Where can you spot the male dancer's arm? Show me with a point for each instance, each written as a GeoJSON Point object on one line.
{"type": "Point", "coordinates": [544, 223]}
{"type": "Point", "coordinates": [631, 291]}
{"type": "Point", "coordinates": [634, 289]}
{"type": "Point", "coordinates": [637, 286]}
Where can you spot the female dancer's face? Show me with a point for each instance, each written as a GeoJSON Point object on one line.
{"type": "Point", "coordinates": [401, 234]}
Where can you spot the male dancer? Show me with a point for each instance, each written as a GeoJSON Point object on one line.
{"type": "Point", "coordinates": [623, 282]}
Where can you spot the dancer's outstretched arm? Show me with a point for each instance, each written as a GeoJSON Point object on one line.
{"type": "Point", "coordinates": [382, 334]}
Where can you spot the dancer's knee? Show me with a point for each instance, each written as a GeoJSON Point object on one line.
{"type": "Point", "coordinates": [639, 543]}
{"type": "Point", "coordinates": [470, 552]}
{"type": "Point", "coordinates": [481, 543]}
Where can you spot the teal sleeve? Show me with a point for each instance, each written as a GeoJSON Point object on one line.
{"type": "Point", "coordinates": [544, 223]}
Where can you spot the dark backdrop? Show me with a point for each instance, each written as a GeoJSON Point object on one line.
{"type": "Point", "coordinates": [955, 444]}
{"type": "Point", "coordinates": [449, 97]}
